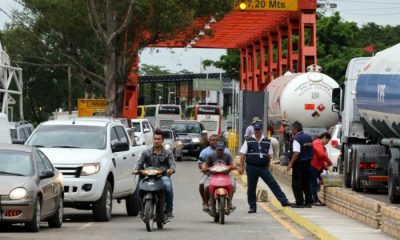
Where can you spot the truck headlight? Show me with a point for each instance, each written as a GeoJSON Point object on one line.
{"type": "Point", "coordinates": [167, 146]}
{"type": "Point", "coordinates": [90, 169]}
{"type": "Point", "coordinates": [18, 193]}
{"type": "Point", "coordinates": [196, 140]}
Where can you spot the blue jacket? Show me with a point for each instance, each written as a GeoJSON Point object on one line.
{"type": "Point", "coordinates": [306, 150]}
{"type": "Point", "coordinates": [254, 148]}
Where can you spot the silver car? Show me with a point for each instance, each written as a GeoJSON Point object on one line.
{"type": "Point", "coordinates": [31, 189]}
{"type": "Point", "coordinates": [172, 143]}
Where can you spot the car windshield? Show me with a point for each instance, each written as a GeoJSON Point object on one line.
{"type": "Point", "coordinates": [167, 134]}
{"type": "Point", "coordinates": [180, 128]}
{"type": "Point", "coordinates": [69, 136]}
{"type": "Point", "coordinates": [15, 163]}
{"type": "Point", "coordinates": [136, 126]}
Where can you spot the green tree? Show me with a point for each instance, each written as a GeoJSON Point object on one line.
{"type": "Point", "coordinates": [148, 69]}
{"type": "Point", "coordinates": [230, 62]}
{"type": "Point", "coordinates": [102, 38]}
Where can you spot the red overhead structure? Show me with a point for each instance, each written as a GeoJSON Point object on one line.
{"type": "Point", "coordinates": [274, 39]}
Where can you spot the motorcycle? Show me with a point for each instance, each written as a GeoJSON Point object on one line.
{"type": "Point", "coordinates": [220, 188]}
{"type": "Point", "coordinates": [151, 190]}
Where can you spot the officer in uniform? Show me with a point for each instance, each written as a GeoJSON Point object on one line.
{"type": "Point", "coordinates": [300, 162]}
{"type": "Point", "coordinates": [257, 151]}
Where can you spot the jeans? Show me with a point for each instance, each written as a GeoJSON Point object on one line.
{"type": "Point", "coordinates": [169, 193]}
{"type": "Point", "coordinates": [301, 182]}
{"type": "Point", "coordinates": [314, 183]}
{"type": "Point", "coordinates": [253, 173]}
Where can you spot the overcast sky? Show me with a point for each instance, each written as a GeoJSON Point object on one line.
{"type": "Point", "coordinates": [379, 11]}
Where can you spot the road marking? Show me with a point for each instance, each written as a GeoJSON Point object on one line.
{"type": "Point", "coordinates": [86, 225]}
{"type": "Point", "coordinates": [285, 224]}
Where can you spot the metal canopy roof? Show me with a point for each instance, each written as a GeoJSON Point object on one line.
{"type": "Point", "coordinates": [238, 28]}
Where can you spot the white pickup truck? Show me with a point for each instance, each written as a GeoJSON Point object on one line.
{"type": "Point", "coordinates": [96, 157]}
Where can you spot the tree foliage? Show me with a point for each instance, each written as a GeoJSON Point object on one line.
{"type": "Point", "coordinates": [101, 38]}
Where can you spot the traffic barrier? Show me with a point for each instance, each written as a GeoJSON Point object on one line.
{"type": "Point", "coordinates": [232, 141]}
{"type": "Point", "coordinates": [390, 220]}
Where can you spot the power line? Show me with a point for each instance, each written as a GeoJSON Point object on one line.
{"type": "Point", "coordinates": [386, 3]}
{"type": "Point", "coordinates": [368, 14]}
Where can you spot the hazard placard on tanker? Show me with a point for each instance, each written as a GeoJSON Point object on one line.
{"type": "Point", "coordinates": [272, 5]}
{"type": "Point", "coordinates": [92, 107]}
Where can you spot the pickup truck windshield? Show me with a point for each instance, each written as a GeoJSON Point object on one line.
{"type": "Point", "coordinates": [69, 136]}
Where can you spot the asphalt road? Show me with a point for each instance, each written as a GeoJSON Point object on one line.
{"type": "Point", "coordinates": [189, 222]}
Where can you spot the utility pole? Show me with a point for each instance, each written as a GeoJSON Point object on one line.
{"type": "Point", "coordinates": [69, 91]}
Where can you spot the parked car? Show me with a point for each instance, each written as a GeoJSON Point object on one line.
{"type": "Point", "coordinates": [143, 131]}
{"type": "Point", "coordinates": [20, 131]}
{"type": "Point", "coordinates": [31, 189]}
{"type": "Point", "coordinates": [173, 143]}
{"type": "Point", "coordinates": [189, 132]}
{"type": "Point", "coordinates": [333, 146]}
{"type": "Point", "coordinates": [5, 136]}
{"type": "Point", "coordinates": [96, 158]}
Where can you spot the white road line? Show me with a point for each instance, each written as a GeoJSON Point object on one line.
{"type": "Point", "coordinates": [86, 225]}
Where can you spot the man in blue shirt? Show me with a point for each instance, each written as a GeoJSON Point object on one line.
{"type": "Point", "coordinates": [301, 162]}
{"type": "Point", "coordinates": [204, 154]}
{"type": "Point", "coordinates": [257, 151]}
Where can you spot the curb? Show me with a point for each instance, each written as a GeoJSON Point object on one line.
{"type": "Point", "coordinates": [297, 218]}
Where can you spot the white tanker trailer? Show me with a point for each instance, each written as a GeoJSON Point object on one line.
{"type": "Point", "coordinates": [304, 97]}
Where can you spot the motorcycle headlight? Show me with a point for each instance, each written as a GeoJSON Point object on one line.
{"type": "Point", "coordinates": [196, 140]}
{"type": "Point", "coordinates": [18, 193]}
{"type": "Point", "coordinates": [167, 146]}
{"type": "Point", "coordinates": [90, 169]}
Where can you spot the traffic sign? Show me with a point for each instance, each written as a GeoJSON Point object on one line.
{"type": "Point", "coordinates": [263, 5]}
{"type": "Point", "coordinates": [91, 107]}
{"type": "Point", "coordinates": [207, 84]}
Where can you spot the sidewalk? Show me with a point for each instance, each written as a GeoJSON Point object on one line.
{"type": "Point", "coordinates": [323, 222]}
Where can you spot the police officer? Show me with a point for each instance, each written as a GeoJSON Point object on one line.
{"type": "Point", "coordinates": [257, 151]}
{"type": "Point", "coordinates": [301, 159]}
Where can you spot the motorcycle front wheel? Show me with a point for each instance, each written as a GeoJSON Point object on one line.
{"type": "Point", "coordinates": [221, 209]}
{"type": "Point", "coordinates": [148, 215]}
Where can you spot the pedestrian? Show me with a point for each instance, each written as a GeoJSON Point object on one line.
{"type": "Point", "coordinates": [276, 150]}
{"type": "Point", "coordinates": [319, 163]}
{"type": "Point", "coordinates": [257, 151]}
{"type": "Point", "coordinates": [204, 140]}
{"type": "Point", "coordinates": [250, 129]}
{"type": "Point", "coordinates": [302, 150]}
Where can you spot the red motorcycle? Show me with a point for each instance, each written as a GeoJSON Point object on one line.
{"type": "Point", "coordinates": [220, 188]}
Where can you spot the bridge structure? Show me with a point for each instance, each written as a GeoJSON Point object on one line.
{"type": "Point", "coordinates": [273, 36]}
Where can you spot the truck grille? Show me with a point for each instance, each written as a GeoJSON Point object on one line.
{"type": "Point", "coordinates": [70, 171]}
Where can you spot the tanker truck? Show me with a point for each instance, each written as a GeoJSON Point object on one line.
{"type": "Point", "coordinates": [304, 97]}
{"type": "Point", "coordinates": [369, 104]}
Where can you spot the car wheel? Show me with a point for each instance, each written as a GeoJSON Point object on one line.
{"type": "Point", "coordinates": [132, 204]}
{"type": "Point", "coordinates": [102, 208]}
{"type": "Point", "coordinates": [56, 220]}
{"type": "Point", "coordinates": [34, 225]}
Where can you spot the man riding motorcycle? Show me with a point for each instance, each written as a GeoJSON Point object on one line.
{"type": "Point", "coordinates": [218, 157]}
{"type": "Point", "coordinates": [204, 154]}
{"type": "Point", "coordinates": [163, 159]}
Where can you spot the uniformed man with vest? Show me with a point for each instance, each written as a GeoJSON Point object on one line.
{"type": "Point", "coordinates": [257, 151]}
{"type": "Point", "coordinates": [301, 159]}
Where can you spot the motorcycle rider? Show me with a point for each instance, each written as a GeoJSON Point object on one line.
{"type": "Point", "coordinates": [218, 157]}
{"type": "Point", "coordinates": [204, 154]}
{"type": "Point", "coordinates": [161, 158]}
